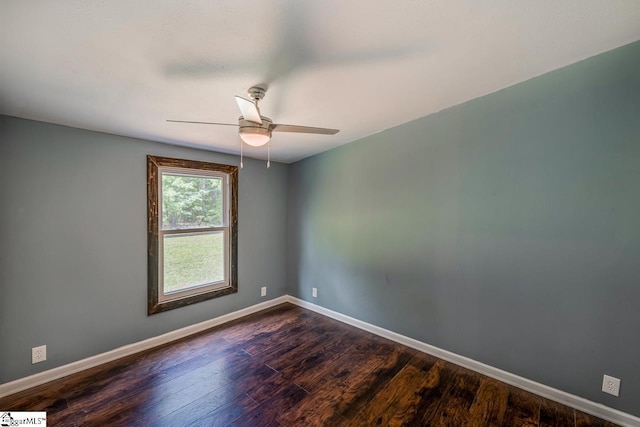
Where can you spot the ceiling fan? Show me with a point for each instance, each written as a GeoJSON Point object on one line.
{"type": "Point", "coordinates": [254, 128]}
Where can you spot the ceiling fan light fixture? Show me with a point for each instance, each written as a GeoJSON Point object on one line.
{"type": "Point", "coordinates": [255, 139]}
{"type": "Point", "coordinates": [255, 134]}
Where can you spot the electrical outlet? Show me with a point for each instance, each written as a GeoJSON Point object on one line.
{"type": "Point", "coordinates": [611, 385]}
{"type": "Point", "coordinates": [263, 291]}
{"type": "Point", "coordinates": [314, 292]}
{"type": "Point", "coordinates": [38, 354]}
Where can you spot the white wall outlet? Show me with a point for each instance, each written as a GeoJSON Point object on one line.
{"type": "Point", "coordinates": [263, 291]}
{"type": "Point", "coordinates": [38, 354]}
{"type": "Point", "coordinates": [314, 292]}
{"type": "Point", "coordinates": [611, 385]}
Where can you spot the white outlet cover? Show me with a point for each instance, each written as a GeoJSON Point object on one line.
{"type": "Point", "coordinates": [263, 291]}
{"type": "Point", "coordinates": [314, 292]}
{"type": "Point", "coordinates": [38, 354]}
{"type": "Point", "coordinates": [611, 385]}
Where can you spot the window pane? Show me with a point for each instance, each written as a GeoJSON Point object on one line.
{"type": "Point", "coordinates": [191, 202]}
{"type": "Point", "coordinates": [192, 260]}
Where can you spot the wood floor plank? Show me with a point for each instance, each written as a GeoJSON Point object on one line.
{"type": "Point", "coordinates": [397, 401]}
{"type": "Point", "coordinates": [280, 358]}
{"type": "Point", "coordinates": [232, 381]}
{"type": "Point", "coordinates": [553, 414]}
{"type": "Point", "coordinates": [39, 401]}
{"type": "Point", "coordinates": [523, 409]}
{"type": "Point", "coordinates": [356, 399]}
{"type": "Point", "coordinates": [54, 395]}
{"type": "Point", "coordinates": [306, 371]}
{"type": "Point", "coordinates": [144, 382]}
{"type": "Point", "coordinates": [457, 400]}
{"type": "Point", "coordinates": [428, 400]}
{"type": "Point", "coordinates": [265, 389]}
{"type": "Point", "coordinates": [294, 338]}
{"type": "Point", "coordinates": [280, 318]}
{"type": "Point", "coordinates": [489, 405]}
{"type": "Point", "coordinates": [304, 324]}
{"type": "Point", "coordinates": [287, 366]}
{"type": "Point", "coordinates": [333, 390]}
{"type": "Point", "coordinates": [166, 401]}
{"type": "Point", "coordinates": [267, 413]}
{"type": "Point", "coordinates": [315, 410]}
{"type": "Point", "coordinates": [210, 410]}
{"type": "Point", "coordinates": [66, 418]}
{"type": "Point", "coordinates": [586, 420]}
{"type": "Point", "coordinates": [346, 365]}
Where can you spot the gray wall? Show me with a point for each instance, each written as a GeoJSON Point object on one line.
{"type": "Point", "coordinates": [506, 229]}
{"type": "Point", "coordinates": [73, 260]}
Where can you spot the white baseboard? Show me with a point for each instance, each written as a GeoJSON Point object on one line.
{"type": "Point", "coordinates": [597, 409]}
{"type": "Point", "coordinates": [99, 359]}
{"type": "Point", "coordinates": [579, 403]}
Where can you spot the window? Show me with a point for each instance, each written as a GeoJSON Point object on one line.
{"type": "Point", "coordinates": [192, 232]}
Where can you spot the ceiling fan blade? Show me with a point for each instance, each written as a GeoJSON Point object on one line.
{"type": "Point", "coordinates": [302, 129]}
{"type": "Point", "coordinates": [203, 123]}
{"type": "Point", "coordinates": [249, 110]}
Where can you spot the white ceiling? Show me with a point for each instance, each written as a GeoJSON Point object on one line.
{"type": "Point", "coordinates": [361, 66]}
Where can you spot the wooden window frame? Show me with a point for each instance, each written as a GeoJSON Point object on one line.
{"type": "Point", "coordinates": [156, 303]}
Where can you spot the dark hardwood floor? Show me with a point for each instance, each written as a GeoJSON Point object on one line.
{"type": "Point", "coordinates": [288, 366]}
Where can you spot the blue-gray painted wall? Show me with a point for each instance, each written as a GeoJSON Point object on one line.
{"type": "Point", "coordinates": [505, 229]}
{"type": "Point", "coordinates": [73, 243]}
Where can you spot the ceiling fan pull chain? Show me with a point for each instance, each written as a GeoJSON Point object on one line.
{"type": "Point", "coordinates": [268, 154]}
{"type": "Point", "coordinates": [241, 164]}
